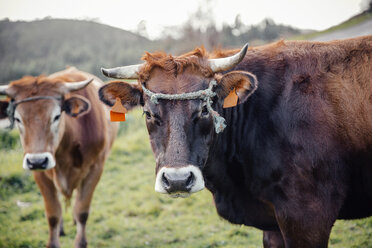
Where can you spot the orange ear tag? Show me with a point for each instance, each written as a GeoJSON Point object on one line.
{"type": "Point", "coordinates": [117, 112]}
{"type": "Point", "coordinates": [231, 100]}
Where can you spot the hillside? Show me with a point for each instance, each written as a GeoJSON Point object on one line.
{"type": "Point", "coordinates": [49, 45]}
{"type": "Point", "coordinates": [357, 25]}
{"type": "Point", "coordinates": [360, 29]}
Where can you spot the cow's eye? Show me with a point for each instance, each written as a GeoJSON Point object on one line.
{"type": "Point", "coordinates": [56, 118]}
{"type": "Point", "coordinates": [148, 115]}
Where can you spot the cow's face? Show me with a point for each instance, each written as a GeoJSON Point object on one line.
{"type": "Point", "coordinates": [181, 131]}
{"type": "Point", "coordinates": [40, 124]}
{"type": "Point", "coordinates": [39, 114]}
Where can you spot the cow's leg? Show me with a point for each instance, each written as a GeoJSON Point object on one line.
{"type": "Point", "coordinates": [273, 239]}
{"type": "Point", "coordinates": [61, 229]}
{"type": "Point", "coordinates": [82, 203]}
{"type": "Point", "coordinates": [53, 208]}
{"type": "Point", "coordinates": [306, 225]}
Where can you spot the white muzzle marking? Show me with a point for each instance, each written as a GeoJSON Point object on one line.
{"type": "Point", "coordinates": [197, 186]}
{"type": "Point", "coordinates": [51, 163]}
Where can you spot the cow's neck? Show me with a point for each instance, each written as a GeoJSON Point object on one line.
{"type": "Point", "coordinates": [230, 154]}
{"type": "Point", "coordinates": [235, 168]}
{"type": "Point", "coordinates": [251, 127]}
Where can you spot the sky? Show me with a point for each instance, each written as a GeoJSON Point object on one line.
{"type": "Point", "coordinates": [305, 14]}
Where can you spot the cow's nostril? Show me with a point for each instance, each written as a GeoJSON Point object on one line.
{"type": "Point", "coordinates": [165, 181]}
{"type": "Point", "coordinates": [44, 163]}
{"type": "Point", "coordinates": [37, 163]}
{"type": "Point", "coordinates": [190, 180]}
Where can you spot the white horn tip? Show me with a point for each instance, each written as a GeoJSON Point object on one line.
{"type": "Point", "coordinates": [122, 72]}
{"type": "Point", "coordinates": [73, 86]}
{"type": "Point", "coordinates": [222, 64]}
{"type": "Point", "coordinates": [245, 48]}
{"type": "Point", "coordinates": [243, 52]}
{"type": "Point", "coordinates": [105, 72]}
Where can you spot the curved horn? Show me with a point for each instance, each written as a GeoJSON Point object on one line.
{"type": "Point", "coordinates": [223, 64]}
{"type": "Point", "coordinates": [77, 85]}
{"type": "Point", "coordinates": [3, 89]}
{"type": "Point", "coordinates": [124, 72]}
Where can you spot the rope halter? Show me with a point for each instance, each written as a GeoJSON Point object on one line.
{"type": "Point", "coordinates": [205, 95]}
{"type": "Point", "coordinates": [13, 105]}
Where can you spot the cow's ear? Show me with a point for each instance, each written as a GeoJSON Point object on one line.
{"type": "Point", "coordinates": [3, 106]}
{"type": "Point", "coordinates": [129, 94]}
{"type": "Point", "coordinates": [244, 83]}
{"type": "Point", "coordinates": [76, 106]}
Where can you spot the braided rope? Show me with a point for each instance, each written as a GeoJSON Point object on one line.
{"type": "Point", "coordinates": [13, 105]}
{"type": "Point", "coordinates": [205, 95]}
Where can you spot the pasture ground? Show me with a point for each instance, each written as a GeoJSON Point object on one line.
{"type": "Point", "coordinates": [127, 212]}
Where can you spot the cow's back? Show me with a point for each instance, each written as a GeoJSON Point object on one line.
{"type": "Point", "coordinates": [324, 114]}
{"type": "Point", "coordinates": [90, 136]}
{"type": "Point", "coordinates": [335, 79]}
{"type": "Point", "coordinates": [324, 86]}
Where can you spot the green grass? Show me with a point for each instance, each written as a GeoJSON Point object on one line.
{"type": "Point", "coordinates": [127, 212]}
{"type": "Point", "coordinates": [346, 24]}
{"type": "Point", "coordinates": [9, 139]}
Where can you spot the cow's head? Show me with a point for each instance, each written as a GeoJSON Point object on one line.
{"type": "Point", "coordinates": [181, 131]}
{"type": "Point", "coordinates": [36, 105]}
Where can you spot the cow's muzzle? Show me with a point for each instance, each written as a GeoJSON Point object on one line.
{"type": "Point", "coordinates": [38, 161]}
{"type": "Point", "coordinates": [180, 181]}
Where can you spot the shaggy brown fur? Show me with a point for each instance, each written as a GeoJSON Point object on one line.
{"type": "Point", "coordinates": [173, 66]}
{"type": "Point", "coordinates": [294, 157]}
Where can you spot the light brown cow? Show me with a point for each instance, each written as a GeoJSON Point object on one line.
{"type": "Point", "coordinates": [66, 137]}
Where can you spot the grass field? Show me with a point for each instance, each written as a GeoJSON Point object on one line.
{"type": "Point", "coordinates": [126, 211]}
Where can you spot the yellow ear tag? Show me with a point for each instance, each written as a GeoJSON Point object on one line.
{"type": "Point", "coordinates": [231, 100]}
{"type": "Point", "coordinates": [118, 111]}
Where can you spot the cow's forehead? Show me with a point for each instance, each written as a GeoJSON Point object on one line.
{"type": "Point", "coordinates": [42, 108]}
{"type": "Point", "coordinates": [189, 80]}
{"type": "Point", "coordinates": [34, 86]}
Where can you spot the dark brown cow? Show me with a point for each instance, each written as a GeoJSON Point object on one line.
{"type": "Point", "coordinates": [66, 137]}
{"type": "Point", "coordinates": [294, 156]}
